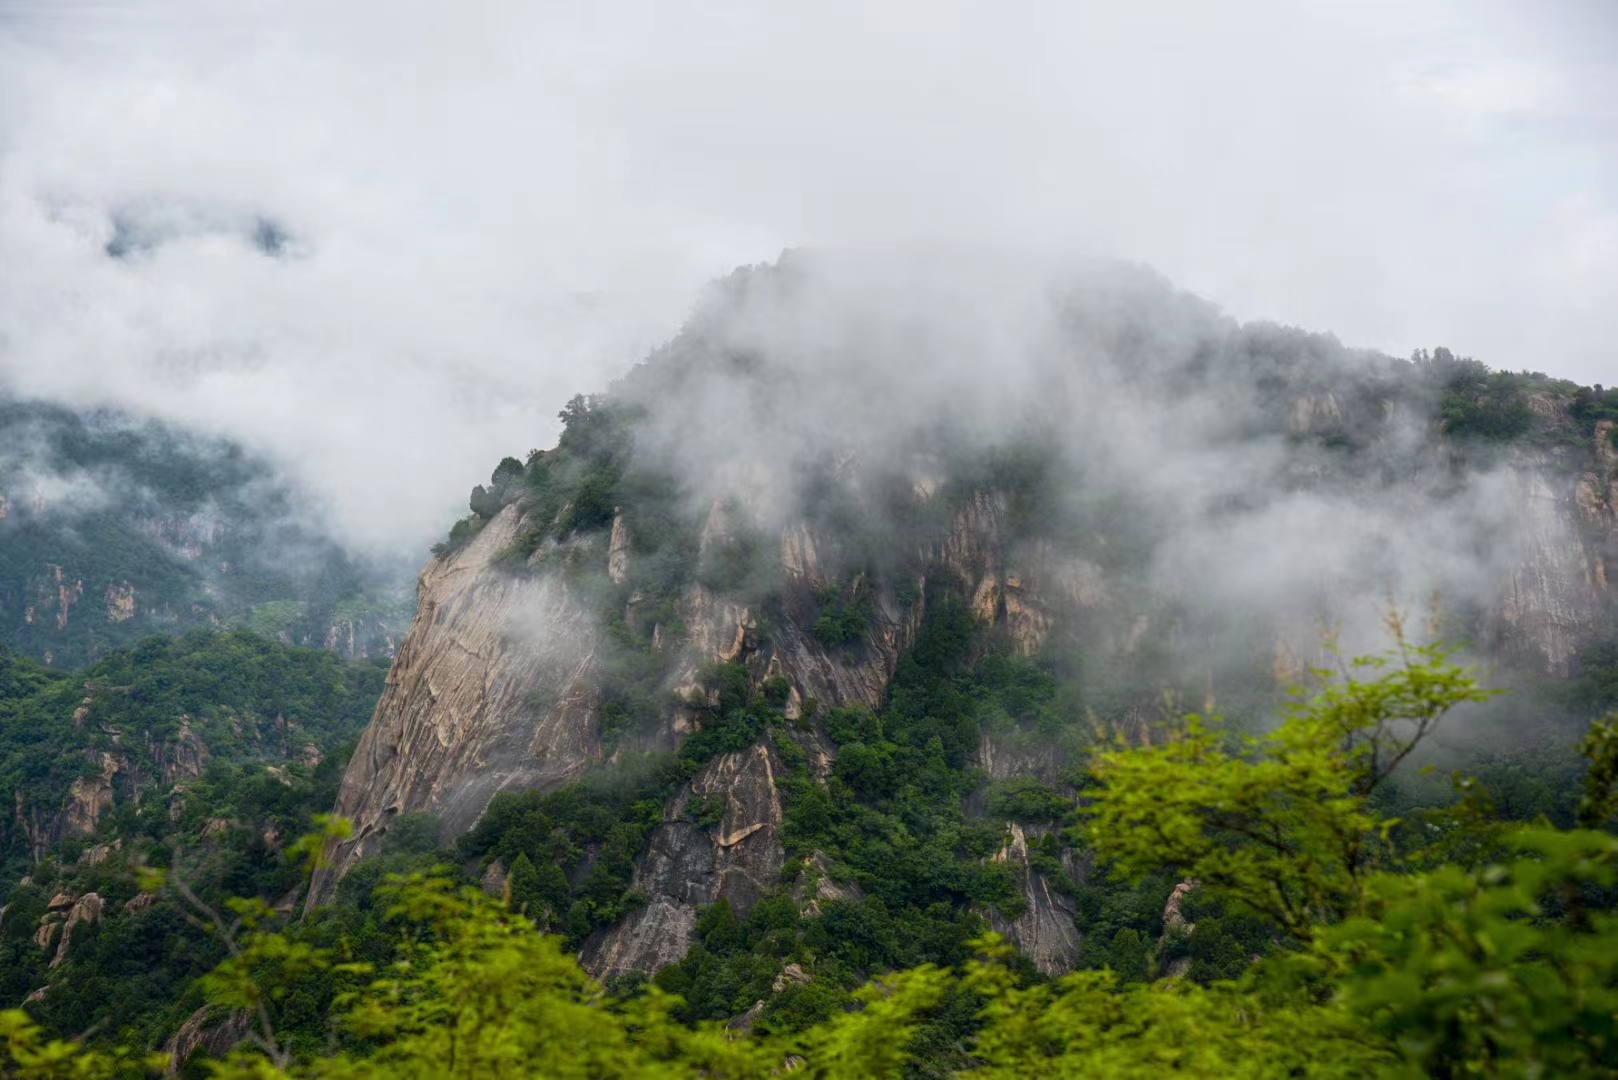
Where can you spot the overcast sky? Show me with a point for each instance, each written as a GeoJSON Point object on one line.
{"type": "Point", "coordinates": [475, 210]}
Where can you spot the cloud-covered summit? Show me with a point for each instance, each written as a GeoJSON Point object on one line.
{"type": "Point", "coordinates": [384, 243]}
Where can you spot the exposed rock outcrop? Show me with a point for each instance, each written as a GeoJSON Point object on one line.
{"type": "Point", "coordinates": [687, 866]}
{"type": "Point", "coordinates": [618, 550]}
{"type": "Point", "coordinates": [183, 757]}
{"type": "Point", "coordinates": [120, 602]}
{"type": "Point", "coordinates": [677, 876]}
{"type": "Point", "coordinates": [1596, 497]}
{"type": "Point", "coordinates": [210, 1029]}
{"type": "Point", "coordinates": [86, 909]}
{"type": "Point", "coordinates": [494, 687]}
{"type": "Point", "coordinates": [88, 798]}
{"type": "Point", "coordinates": [1045, 931]}
{"type": "Point", "coordinates": [96, 854]}
{"type": "Point", "coordinates": [494, 879]}
{"type": "Point", "coordinates": [497, 682]}
{"type": "Point", "coordinates": [1002, 756]}
{"type": "Point", "coordinates": [1174, 907]}
{"type": "Point", "coordinates": [1314, 413]}
{"type": "Point", "coordinates": [36, 827]}
{"type": "Point", "coordinates": [1021, 590]}
{"type": "Point", "coordinates": [1550, 598]}
{"type": "Point", "coordinates": [49, 924]}
{"type": "Point", "coordinates": [817, 885]}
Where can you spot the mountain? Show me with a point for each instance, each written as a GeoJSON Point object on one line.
{"type": "Point", "coordinates": [113, 529]}
{"type": "Point", "coordinates": [804, 628]}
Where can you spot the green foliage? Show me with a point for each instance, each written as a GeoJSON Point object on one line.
{"type": "Point", "coordinates": [245, 709]}
{"type": "Point", "coordinates": [592, 504]}
{"type": "Point", "coordinates": [853, 724]}
{"type": "Point", "coordinates": [734, 963]}
{"type": "Point", "coordinates": [1281, 825]}
{"type": "Point", "coordinates": [1106, 904]}
{"type": "Point", "coordinates": [1025, 799]}
{"type": "Point", "coordinates": [583, 840]}
{"type": "Point", "coordinates": [275, 617]}
{"type": "Point", "coordinates": [1464, 971]}
{"type": "Point", "coordinates": [1478, 405]}
{"type": "Point", "coordinates": [707, 810]}
{"type": "Point", "coordinates": [461, 533]}
{"type": "Point", "coordinates": [1088, 1024]}
{"type": "Point", "coordinates": [912, 864]}
{"type": "Point", "coordinates": [841, 621]}
{"type": "Point", "coordinates": [474, 992]}
{"type": "Point", "coordinates": [1490, 406]}
{"type": "Point", "coordinates": [1504, 966]}
{"type": "Point", "coordinates": [1594, 688]}
{"type": "Point", "coordinates": [634, 670]}
{"type": "Point", "coordinates": [1599, 801]}
{"type": "Point", "coordinates": [732, 725]}
{"type": "Point", "coordinates": [1129, 954]}
{"type": "Point", "coordinates": [1508, 967]}
{"type": "Point", "coordinates": [415, 833]}
{"type": "Point", "coordinates": [892, 817]}
{"type": "Point", "coordinates": [582, 485]}
{"type": "Point", "coordinates": [588, 465]}
{"type": "Point", "coordinates": [1592, 405]}
{"type": "Point", "coordinates": [509, 470]}
{"type": "Point", "coordinates": [739, 560]}
{"type": "Point", "coordinates": [246, 698]}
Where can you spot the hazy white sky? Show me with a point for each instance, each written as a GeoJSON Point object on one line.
{"type": "Point", "coordinates": [491, 205]}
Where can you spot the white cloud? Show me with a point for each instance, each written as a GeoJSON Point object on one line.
{"type": "Point", "coordinates": [493, 205]}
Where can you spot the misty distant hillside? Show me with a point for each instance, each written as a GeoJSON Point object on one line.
{"type": "Point", "coordinates": [113, 529]}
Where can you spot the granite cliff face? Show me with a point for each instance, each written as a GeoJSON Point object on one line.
{"type": "Point", "coordinates": [1045, 931]}
{"type": "Point", "coordinates": [794, 482]}
{"type": "Point", "coordinates": [1556, 593]}
{"type": "Point", "coordinates": [494, 686]}
{"type": "Point", "coordinates": [686, 867]}
{"type": "Point", "coordinates": [498, 682]}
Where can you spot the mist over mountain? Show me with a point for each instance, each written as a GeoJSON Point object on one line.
{"type": "Point", "coordinates": [113, 529]}
{"type": "Point", "coordinates": [868, 516]}
{"type": "Point", "coordinates": [811, 621]}
{"type": "Point", "coordinates": [393, 243]}
{"type": "Point", "coordinates": [1253, 468]}
{"type": "Point", "coordinates": [876, 540]}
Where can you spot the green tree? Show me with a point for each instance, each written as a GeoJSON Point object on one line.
{"type": "Point", "coordinates": [523, 888]}
{"type": "Point", "coordinates": [508, 470]}
{"type": "Point", "coordinates": [1280, 824]}
{"type": "Point", "coordinates": [1130, 955]}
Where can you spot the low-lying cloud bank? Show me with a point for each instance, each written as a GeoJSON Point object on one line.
{"type": "Point", "coordinates": [383, 244]}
